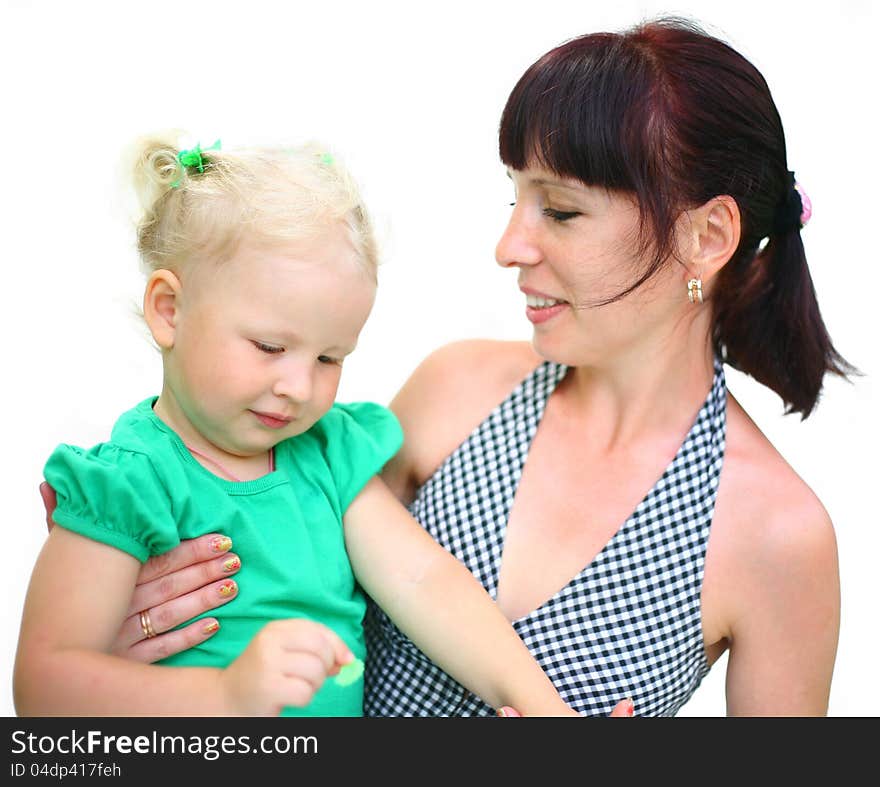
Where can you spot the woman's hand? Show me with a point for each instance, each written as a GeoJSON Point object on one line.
{"type": "Point", "coordinates": [172, 588]}
{"type": "Point", "coordinates": [284, 664]}
{"type": "Point", "coordinates": [623, 708]}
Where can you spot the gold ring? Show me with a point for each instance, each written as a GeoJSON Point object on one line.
{"type": "Point", "coordinates": [146, 624]}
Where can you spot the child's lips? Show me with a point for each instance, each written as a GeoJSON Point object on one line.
{"type": "Point", "coordinates": [272, 420]}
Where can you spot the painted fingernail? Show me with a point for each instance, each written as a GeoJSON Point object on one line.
{"type": "Point", "coordinates": [211, 627]}
{"type": "Point", "coordinates": [227, 588]}
{"type": "Point", "coordinates": [629, 708]}
{"type": "Point", "coordinates": [501, 712]}
{"type": "Point", "coordinates": [232, 563]}
{"type": "Point", "coordinates": [221, 544]}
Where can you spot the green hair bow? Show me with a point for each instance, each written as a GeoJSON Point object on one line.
{"type": "Point", "coordinates": [193, 158]}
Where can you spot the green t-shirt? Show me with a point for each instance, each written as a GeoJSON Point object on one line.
{"type": "Point", "coordinates": [143, 492]}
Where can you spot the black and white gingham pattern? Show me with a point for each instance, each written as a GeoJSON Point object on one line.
{"type": "Point", "coordinates": [628, 625]}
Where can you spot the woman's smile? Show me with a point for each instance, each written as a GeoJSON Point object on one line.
{"type": "Point", "coordinates": [541, 307]}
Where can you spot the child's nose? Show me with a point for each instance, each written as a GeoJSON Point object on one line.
{"type": "Point", "coordinates": [295, 383]}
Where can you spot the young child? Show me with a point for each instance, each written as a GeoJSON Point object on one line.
{"type": "Point", "coordinates": [262, 272]}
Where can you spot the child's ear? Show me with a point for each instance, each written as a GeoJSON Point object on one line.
{"type": "Point", "coordinates": [161, 305]}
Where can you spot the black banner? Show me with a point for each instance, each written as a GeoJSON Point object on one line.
{"type": "Point", "coordinates": [135, 750]}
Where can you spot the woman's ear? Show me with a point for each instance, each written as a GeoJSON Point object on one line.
{"type": "Point", "coordinates": [161, 306]}
{"type": "Point", "coordinates": [715, 232]}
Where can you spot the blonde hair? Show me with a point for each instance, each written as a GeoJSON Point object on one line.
{"type": "Point", "coordinates": [275, 194]}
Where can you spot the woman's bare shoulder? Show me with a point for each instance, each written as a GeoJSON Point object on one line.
{"type": "Point", "coordinates": [450, 393]}
{"type": "Point", "coordinates": [501, 362]}
{"type": "Point", "coordinates": [758, 473]}
{"type": "Point", "coordinates": [770, 532]}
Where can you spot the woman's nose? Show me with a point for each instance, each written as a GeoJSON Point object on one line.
{"type": "Point", "coordinates": [517, 245]}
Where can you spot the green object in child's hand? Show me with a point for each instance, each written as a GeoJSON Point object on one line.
{"type": "Point", "coordinates": [349, 673]}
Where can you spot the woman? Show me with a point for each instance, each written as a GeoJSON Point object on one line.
{"type": "Point", "coordinates": [618, 503]}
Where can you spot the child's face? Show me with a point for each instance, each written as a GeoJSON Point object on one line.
{"type": "Point", "coordinates": [259, 340]}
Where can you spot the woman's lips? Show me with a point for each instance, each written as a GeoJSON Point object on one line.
{"type": "Point", "coordinates": [539, 315]}
{"type": "Point", "coordinates": [540, 306]}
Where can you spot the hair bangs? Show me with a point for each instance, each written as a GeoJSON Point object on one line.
{"type": "Point", "coordinates": [565, 114]}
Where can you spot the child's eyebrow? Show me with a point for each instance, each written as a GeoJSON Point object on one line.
{"type": "Point", "coordinates": [289, 337]}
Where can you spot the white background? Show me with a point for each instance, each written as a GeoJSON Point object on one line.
{"type": "Point", "coordinates": [410, 97]}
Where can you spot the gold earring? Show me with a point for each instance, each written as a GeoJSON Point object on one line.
{"type": "Point", "coordinates": [695, 290]}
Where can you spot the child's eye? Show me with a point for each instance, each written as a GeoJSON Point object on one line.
{"type": "Point", "coordinates": [271, 349]}
{"type": "Point", "coordinates": [560, 215]}
{"type": "Point", "coordinates": [326, 359]}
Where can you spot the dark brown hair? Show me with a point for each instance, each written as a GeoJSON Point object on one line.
{"type": "Point", "coordinates": [676, 117]}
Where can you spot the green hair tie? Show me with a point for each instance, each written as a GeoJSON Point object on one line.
{"type": "Point", "coordinates": [193, 158]}
{"type": "Point", "coordinates": [349, 673]}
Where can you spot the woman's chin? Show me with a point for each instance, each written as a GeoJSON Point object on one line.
{"type": "Point", "coordinates": [566, 350]}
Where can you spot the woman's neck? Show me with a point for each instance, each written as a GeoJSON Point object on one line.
{"type": "Point", "coordinates": [650, 387]}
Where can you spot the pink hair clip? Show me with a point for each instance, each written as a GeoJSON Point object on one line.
{"type": "Point", "coordinates": [806, 205]}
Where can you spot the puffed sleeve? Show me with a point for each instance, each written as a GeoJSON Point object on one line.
{"type": "Point", "coordinates": [112, 495]}
{"type": "Point", "coordinates": [360, 438]}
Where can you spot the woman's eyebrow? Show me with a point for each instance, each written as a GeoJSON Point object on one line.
{"type": "Point", "coordinates": [556, 184]}
{"type": "Point", "coordinates": [550, 182]}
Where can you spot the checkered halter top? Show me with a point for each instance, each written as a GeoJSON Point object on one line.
{"type": "Point", "coordinates": [628, 625]}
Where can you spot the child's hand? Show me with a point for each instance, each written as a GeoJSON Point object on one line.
{"type": "Point", "coordinates": [285, 664]}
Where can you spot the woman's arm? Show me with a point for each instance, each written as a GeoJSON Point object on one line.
{"type": "Point", "coordinates": [450, 393]}
{"type": "Point", "coordinates": [64, 665]}
{"type": "Point", "coordinates": [438, 604]}
{"type": "Point", "coordinates": [771, 585]}
{"type": "Point", "coordinates": [784, 633]}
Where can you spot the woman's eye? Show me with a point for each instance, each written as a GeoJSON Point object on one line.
{"type": "Point", "coordinates": [270, 349]}
{"type": "Point", "coordinates": [326, 359]}
{"type": "Point", "coordinates": [560, 215]}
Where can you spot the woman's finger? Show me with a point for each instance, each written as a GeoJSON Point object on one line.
{"type": "Point", "coordinates": [164, 645]}
{"type": "Point", "coordinates": [185, 580]}
{"type": "Point", "coordinates": [623, 708]}
{"type": "Point", "coordinates": [167, 616]}
{"type": "Point", "coordinates": [188, 553]}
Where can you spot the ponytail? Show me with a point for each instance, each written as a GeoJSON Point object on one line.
{"type": "Point", "coordinates": [155, 170]}
{"type": "Point", "coordinates": [767, 322]}
{"type": "Point", "coordinates": [198, 204]}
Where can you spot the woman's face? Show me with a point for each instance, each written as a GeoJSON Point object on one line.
{"type": "Point", "coordinates": [574, 247]}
